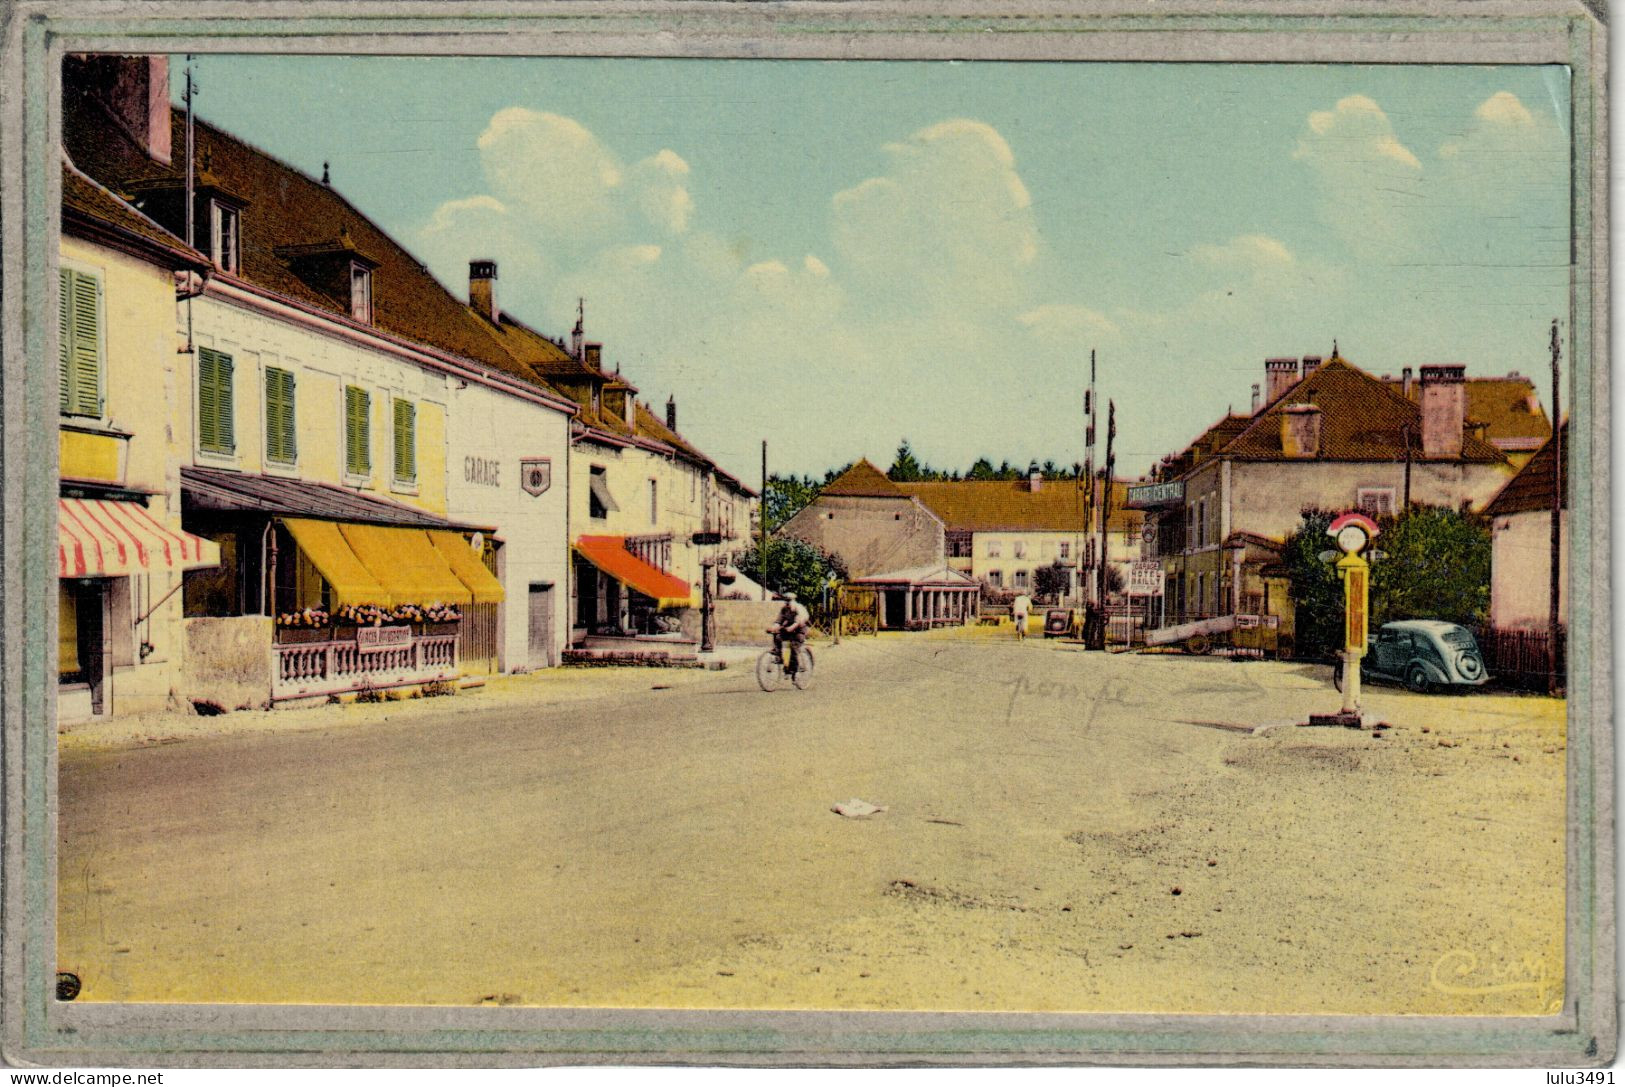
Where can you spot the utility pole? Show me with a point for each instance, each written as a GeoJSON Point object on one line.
{"type": "Point", "coordinates": [1553, 681]}
{"type": "Point", "coordinates": [1088, 480]}
{"type": "Point", "coordinates": [761, 566]}
{"type": "Point", "coordinates": [1105, 509]}
{"type": "Point", "coordinates": [1405, 433]}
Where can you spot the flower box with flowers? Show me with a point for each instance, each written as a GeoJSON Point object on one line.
{"type": "Point", "coordinates": [304, 626]}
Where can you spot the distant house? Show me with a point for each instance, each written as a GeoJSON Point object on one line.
{"type": "Point", "coordinates": [1001, 532]}
{"type": "Point", "coordinates": [1504, 411]}
{"type": "Point", "coordinates": [1521, 527]}
{"type": "Point", "coordinates": [890, 541]}
{"type": "Point", "coordinates": [1328, 436]}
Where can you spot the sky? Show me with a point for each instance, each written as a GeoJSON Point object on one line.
{"type": "Point", "coordinates": [836, 256]}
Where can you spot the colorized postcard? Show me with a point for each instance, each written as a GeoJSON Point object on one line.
{"type": "Point", "coordinates": [813, 534]}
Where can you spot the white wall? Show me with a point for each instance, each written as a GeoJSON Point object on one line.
{"type": "Point", "coordinates": [489, 430]}
{"type": "Point", "coordinates": [1520, 572]}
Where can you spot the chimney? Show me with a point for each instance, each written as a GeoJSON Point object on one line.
{"type": "Point", "coordinates": [1279, 376]}
{"type": "Point", "coordinates": [593, 354]}
{"type": "Point", "coordinates": [1035, 478]}
{"type": "Point", "coordinates": [1405, 382]}
{"type": "Point", "coordinates": [1311, 363]}
{"type": "Point", "coordinates": [1256, 398]}
{"type": "Point", "coordinates": [671, 414]}
{"type": "Point", "coordinates": [482, 289]}
{"type": "Point", "coordinates": [1300, 431]}
{"type": "Point", "coordinates": [134, 88]}
{"type": "Point", "coordinates": [1444, 410]}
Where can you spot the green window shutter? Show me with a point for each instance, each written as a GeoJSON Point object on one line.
{"type": "Point", "coordinates": [79, 316]}
{"type": "Point", "coordinates": [357, 431]}
{"type": "Point", "coordinates": [216, 430]}
{"type": "Point", "coordinates": [65, 334]}
{"type": "Point", "coordinates": [406, 453]}
{"type": "Point", "coordinates": [87, 340]}
{"type": "Point", "coordinates": [281, 432]}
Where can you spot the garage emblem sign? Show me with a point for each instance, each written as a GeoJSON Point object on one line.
{"type": "Point", "coordinates": [535, 475]}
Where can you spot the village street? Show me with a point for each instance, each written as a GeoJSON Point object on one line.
{"type": "Point", "coordinates": [1062, 831]}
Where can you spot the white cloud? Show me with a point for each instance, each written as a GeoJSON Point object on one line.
{"type": "Point", "coordinates": [1250, 251]}
{"type": "Point", "coordinates": [1065, 322]}
{"type": "Point", "coordinates": [948, 224]}
{"type": "Point", "coordinates": [1353, 134]}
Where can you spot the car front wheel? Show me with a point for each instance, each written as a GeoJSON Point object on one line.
{"type": "Point", "coordinates": [1417, 679]}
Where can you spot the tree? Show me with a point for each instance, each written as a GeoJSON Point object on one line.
{"type": "Point", "coordinates": [1052, 582]}
{"type": "Point", "coordinates": [907, 467]}
{"type": "Point", "coordinates": [1435, 565]}
{"type": "Point", "coordinates": [981, 470]}
{"type": "Point", "coordinates": [785, 497]}
{"type": "Point", "coordinates": [792, 566]}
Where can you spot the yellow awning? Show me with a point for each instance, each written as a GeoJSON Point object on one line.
{"type": "Point", "coordinates": [406, 564]}
{"type": "Point", "coordinates": [467, 566]}
{"type": "Point", "coordinates": [322, 543]}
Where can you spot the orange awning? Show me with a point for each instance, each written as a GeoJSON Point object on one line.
{"type": "Point", "coordinates": [610, 555]}
{"type": "Point", "coordinates": [104, 538]}
{"type": "Point", "coordinates": [325, 547]}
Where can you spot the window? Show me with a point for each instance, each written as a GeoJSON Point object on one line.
{"type": "Point", "coordinates": [1201, 594]}
{"type": "Point", "coordinates": [406, 442]}
{"type": "Point", "coordinates": [1375, 500]}
{"type": "Point", "coordinates": [993, 549]}
{"type": "Point", "coordinates": [216, 430]}
{"type": "Point", "coordinates": [654, 501]}
{"type": "Point", "coordinates": [223, 237]}
{"type": "Point", "coordinates": [79, 308]}
{"type": "Point", "coordinates": [1021, 579]}
{"type": "Point", "coordinates": [1201, 523]}
{"type": "Point", "coordinates": [995, 578]}
{"type": "Point", "coordinates": [959, 545]}
{"type": "Point", "coordinates": [361, 293]}
{"type": "Point", "coordinates": [281, 434]}
{"type": "Point", "coordinates": [357, 431]}
{"type": "Point", "coordinates": [1021, 549]}
{"type": "Point", "coordinates": [599, 502]}
{"type": "Point", "coordinates": [1066, 549]}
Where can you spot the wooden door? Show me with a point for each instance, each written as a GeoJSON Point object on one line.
{"type": "Point", "coordinates": [543, 651]}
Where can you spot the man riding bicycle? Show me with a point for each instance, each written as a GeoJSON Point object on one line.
{"type": "Point", "coordinates": [791, 629]}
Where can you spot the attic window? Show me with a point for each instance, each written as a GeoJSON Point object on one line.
{"type": "Point", "coordinates": [224, 241]}
{"type": "Point", "coordinates": [361, 293]}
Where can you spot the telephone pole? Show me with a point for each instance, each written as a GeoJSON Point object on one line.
{"type": "Point", "coordinates": [1553, 680]}
{"type": "Point", "coordinates": [1088, 480]}
{"type": "Point", "coordinates": [1105, 509]}
{"type": "Point", "coordinates": [761, 505]}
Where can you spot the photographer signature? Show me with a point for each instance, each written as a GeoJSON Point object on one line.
{"type": "Point", "coordinates": [1464, 973]}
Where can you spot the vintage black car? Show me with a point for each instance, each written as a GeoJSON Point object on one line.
{"type": "Point", "coordinates": [1423, 654]}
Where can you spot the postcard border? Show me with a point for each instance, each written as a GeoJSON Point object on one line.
{"type": "Point", "coordinates": [37, 1030]}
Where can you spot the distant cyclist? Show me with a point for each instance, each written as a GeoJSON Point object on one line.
{"type": "Point", "coordinates": [791, 629]}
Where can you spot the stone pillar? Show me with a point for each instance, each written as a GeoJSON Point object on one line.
{"type": "Point", "coordinates": [908, 606]}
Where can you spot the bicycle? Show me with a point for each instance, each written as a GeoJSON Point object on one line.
{"type": "Point", "coordinates": [770, 672]}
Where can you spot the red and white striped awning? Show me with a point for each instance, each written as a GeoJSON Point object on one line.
{"type": "Point", "coordinates": [98, 537]}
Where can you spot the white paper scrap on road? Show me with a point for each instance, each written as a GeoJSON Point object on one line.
{"type": "Point", "coordinates": [857, 809]}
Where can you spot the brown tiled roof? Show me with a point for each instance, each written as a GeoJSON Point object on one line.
{"type": "Point", "coordinates": [287, 208]}
{"type": "Point", "coordinates": [211, 489]}
{"type": "Point", "coordinates": [1362, 419]}
{"type": "Point", "coordinates": [1508, 406]}
{"type": "Point", "coordinates": [1531, 488]}
{"type": "Point", "coordinates": [863, 480]}
{"type": "Point", "coordinates": [85, 203]}
{"type": "Point", "coordinates": [1002, 505]}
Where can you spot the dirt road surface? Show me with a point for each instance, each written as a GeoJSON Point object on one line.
{"type": "Point", "coordinates": [1063, 831]}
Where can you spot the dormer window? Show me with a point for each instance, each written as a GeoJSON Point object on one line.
{"type": "Point", "coordinates": [224, 244]}
{"type": "Point", "coordinates": [361, 293]}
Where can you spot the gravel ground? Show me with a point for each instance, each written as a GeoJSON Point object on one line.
{"type": "Point", "coordinates": [1063, 831]}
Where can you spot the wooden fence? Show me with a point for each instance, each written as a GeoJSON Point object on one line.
{"type": "Point", "coordinates": [1523, 658]}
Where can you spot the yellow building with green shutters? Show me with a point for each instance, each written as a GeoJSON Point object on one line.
{"type": "Point", "coordinates": [122, 552]}
{"type": "Point", "coordinates": [305, 418]}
